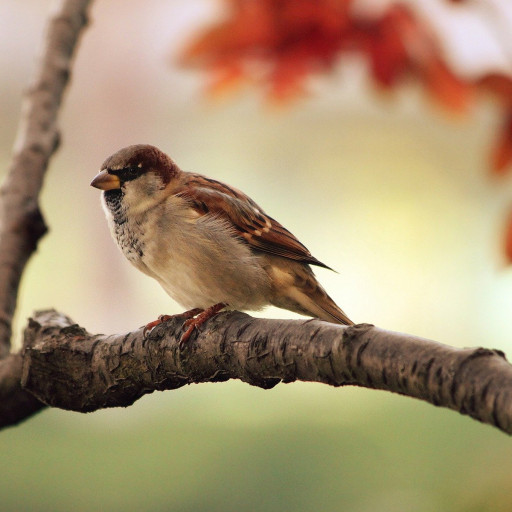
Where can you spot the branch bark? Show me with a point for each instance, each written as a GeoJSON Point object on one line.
{"type": "Point", "coordinates": [65, 366]}
{"type": "Point", "coordinates": [21, 222]}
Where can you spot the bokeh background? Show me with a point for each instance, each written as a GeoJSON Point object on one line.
{"type": "Point", "coordinates": [388, 191]}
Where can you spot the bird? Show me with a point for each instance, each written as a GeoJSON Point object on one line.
{"type": "Point", "coordinates": [209, 245]}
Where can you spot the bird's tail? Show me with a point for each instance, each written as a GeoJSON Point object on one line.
{"type": "Point", "coordinates": [299, 291]}
{"type": "Point", "coordinates": [320, 305]}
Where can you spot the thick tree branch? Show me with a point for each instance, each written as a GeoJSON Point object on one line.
{"type": "Point", "coordinates": [22, 224]}
{"type": "Point", "coordinates": [66, 367]}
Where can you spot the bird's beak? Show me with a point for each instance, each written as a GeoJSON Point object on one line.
{"type": "Point", "coordinates": [105, 181]}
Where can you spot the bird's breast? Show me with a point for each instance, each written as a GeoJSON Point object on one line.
{"type": "Point", "coordinates": [198, 260]}
{"type": "Point", "coordinates": [128, 231]}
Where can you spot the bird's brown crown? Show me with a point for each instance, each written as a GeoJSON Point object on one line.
{"type": "Point", "coordinates": [133, 161]}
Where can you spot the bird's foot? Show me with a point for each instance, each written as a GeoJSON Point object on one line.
{"type": "Point", "coordinates": [200, 319]}
{"type": "Point", "coordinates": [191, 313]}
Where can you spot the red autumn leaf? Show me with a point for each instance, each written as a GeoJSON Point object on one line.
{"type": "Point", "coordinates": [508, 239]}
{"type": "Point", "coordinates": [501, 156]}
{"type": "Point", "coordinates": [386, 48]}
{"type": "Point", "coordinates": [226, 78]}
{"type": "Point", "coordinates": [287, 77]}
{"type": "Point", "coordinates": [400, 44]}
{"type": "Point", "coordinates": [499, 85]}
{"type": "Point", "coordinates": [450, 91]}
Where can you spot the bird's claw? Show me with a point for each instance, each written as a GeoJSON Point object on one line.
{"type": "Point", "coordinates": [191, 313]}
{"type": "Point", "coordinates": [200, 319]}
{"type": "Point", "coordinates": [194, 318]}
{"type": "Point", "coordinates": [160, 320]}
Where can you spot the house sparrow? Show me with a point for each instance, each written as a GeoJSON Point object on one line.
{"type": "Point", "coordinates": [208, 244]}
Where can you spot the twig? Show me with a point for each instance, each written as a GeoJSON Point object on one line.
{"type": "Point", "coordinates": [22, 224]}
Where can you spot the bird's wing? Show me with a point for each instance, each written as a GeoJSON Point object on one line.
{"type": "Point", "coordinates": [250, 222]}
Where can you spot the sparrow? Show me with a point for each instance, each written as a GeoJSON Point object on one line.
{"type": "Point", "coordinates": [208, 244]}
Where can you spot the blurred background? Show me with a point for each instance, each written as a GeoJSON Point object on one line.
{"type": "Point", "coordinates": [388, 190]}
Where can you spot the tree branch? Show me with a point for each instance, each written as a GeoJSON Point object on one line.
{"type": "Point", "coordinates": [66, 367]}
{"type": "Point", "coordinates": [22, 224]}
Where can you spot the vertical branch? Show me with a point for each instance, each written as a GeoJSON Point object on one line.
{"type": "Point", "coordinates": [21, 222]}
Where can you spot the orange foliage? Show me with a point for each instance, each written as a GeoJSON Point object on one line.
{"type": "Point", "coordinates": [279, 43]}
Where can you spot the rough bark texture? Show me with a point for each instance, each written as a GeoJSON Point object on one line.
{"type": "Point", "coordinates": [66, 367]}
{"type": "Point", "coordinates": [16, 404]}
{"type": "Point", "coordinates": [21, 222]}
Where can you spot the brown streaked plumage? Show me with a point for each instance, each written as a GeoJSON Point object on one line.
{"type": "Point", "coordinates": [206, 242]}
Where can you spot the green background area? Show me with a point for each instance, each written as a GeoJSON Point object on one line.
{"type": "Point", "coordinates": [229, 447]}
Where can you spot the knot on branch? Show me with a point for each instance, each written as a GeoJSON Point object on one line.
{"type": "Point", "coordinates": [34, 226]}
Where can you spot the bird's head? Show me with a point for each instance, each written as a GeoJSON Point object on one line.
{"type": "Point", "coordinates": [137, 175]}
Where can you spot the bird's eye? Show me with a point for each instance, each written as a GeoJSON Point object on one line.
{"type": "Point", "coordinates": [128, 173]}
